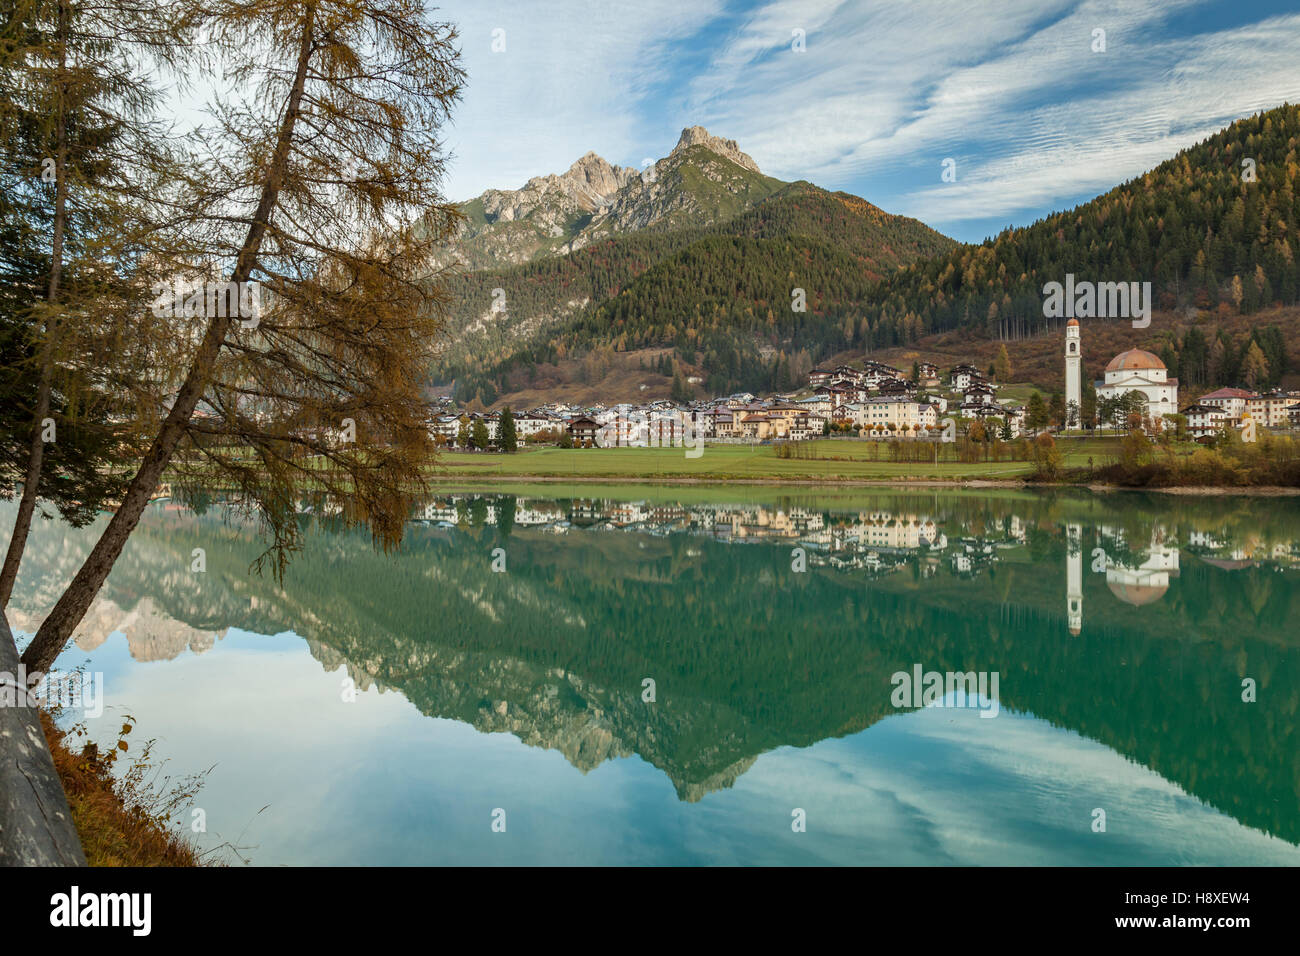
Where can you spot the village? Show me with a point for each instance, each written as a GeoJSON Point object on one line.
{"type": "Point", "coordinates": [879, 402]}
{"type": "Point", "coordinates": [875, 401]}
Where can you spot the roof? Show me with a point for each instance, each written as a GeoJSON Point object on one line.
{"type": "Point", "coordinates": [1071, 322]}
{"type": "Point", "coordinates": [1134, 359]}
{"type": "Point", "coordinates": [1228, 393]}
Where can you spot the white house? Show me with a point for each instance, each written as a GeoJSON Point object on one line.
{"type": "Point", "coordinates": [1203, 419]}
{"type": "Point", "coordinates": [1232, 400]}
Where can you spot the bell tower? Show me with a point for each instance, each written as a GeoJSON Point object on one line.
{"type": "Point", "coordinates": [1073, 375]}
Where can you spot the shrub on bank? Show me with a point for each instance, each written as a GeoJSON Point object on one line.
{"type": "Point", "coordinates": [122, 820]}
{"type": "Point", "coordinates": [1229, 463]}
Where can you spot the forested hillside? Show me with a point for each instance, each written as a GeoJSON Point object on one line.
{"type": "Point", "coordinates": [721, 289]}
{"type": "Point", "coordinates": [1214, 229]}
{"type": "Point", "coordinates": [1213, 226]}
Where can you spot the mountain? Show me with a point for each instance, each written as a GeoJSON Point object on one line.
{"type": "Point", "coordinates": [1215, 229]}
{"type": "Point", "coordinates": [538, 265]}
{"type": "Point", "coordinates": [704, 179]}
{"type": "Point", "coordinates": [504, 226]}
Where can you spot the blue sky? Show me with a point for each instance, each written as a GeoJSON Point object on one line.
{"type": "Point", "coordinates": [883, 93]}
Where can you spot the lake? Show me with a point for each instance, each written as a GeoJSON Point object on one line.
{"type": "Point", "coordinates": [716, 675]}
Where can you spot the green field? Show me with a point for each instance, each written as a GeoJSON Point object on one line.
{"type": "Point", "coordinates": [837, 460]}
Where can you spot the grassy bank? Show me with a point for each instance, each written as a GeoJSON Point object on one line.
{"type": "Point", "coordinates": [121, 821]}
{"type": "Point", "coordinates": [829, 461]}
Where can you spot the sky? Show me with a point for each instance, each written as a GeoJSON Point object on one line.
{"type": "Point", "coordinates": [1036, 110]}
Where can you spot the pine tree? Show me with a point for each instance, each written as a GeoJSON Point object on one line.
{"type": "Point", "coordinates": [507, 438]}
{"type": "Point", "coordinates": [1036, 415]}
{"type": "Point", "coordinates": [1057, 409]}
{"type": "Point", "coordinates": [74, 100]}
{"type": "Point", "coordinates": [681, 392]}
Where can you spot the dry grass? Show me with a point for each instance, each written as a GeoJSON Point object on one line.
{"type": "Point", "coordinates": [121, 820]}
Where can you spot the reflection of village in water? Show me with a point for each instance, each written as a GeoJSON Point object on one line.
{"type": "Point", "coordinates": [881, 542]}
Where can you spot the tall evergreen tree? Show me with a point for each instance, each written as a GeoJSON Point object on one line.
{"type": "Point", "coordinates": [680, 392]}
{"type": "Point", "coordinates": [1036, 414]}
{"type": "Point", "coordinates": [507, 437]}
{"type": "Point", "coordinates": [478, 435]}
{"type": "Point", "coordinates": [80, 164]}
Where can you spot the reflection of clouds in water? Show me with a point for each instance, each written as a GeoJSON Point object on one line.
{"type": "Point", "coordinates": [942, 786]}
{"type": "Point", "coordinates": [373, 781]}
{"type": "Point", "coordinates": [376, 781]}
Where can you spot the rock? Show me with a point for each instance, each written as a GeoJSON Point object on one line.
{"type": "Point", "coordinates": [699, 136]}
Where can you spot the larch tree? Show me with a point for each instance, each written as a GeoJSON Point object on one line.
{"type": "Point", "coordinates": [312, 303]}
{"type": "Point", "coordinates": [1002, 365]}
{"type": "Point", "coordinates": [1254, 368]}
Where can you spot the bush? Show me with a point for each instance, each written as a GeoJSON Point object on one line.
{"type": "Point", "coordinates": [1047, 458]}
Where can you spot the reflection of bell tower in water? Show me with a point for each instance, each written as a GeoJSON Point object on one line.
{"type": "Point", "coordinates": [1074, 577]}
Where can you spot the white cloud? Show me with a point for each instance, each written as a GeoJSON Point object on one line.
{"type": "Point", "coordinates": [570, 80]}
{"type": "Point", "coordinates": [1013, 91]}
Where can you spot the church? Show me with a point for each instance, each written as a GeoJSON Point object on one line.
{"type": "Point", "coordinates": [1136, 370]}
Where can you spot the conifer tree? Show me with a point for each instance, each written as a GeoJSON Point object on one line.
{"type": "Point", "coordinates": [507, 437]}
{"type": "Point", "coordinates": [322, 188]}
{"type": "Point", "coordinates": [80, 159]}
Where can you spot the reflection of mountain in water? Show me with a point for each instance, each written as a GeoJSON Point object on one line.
{"type": "Point", "coordinates": [748, 656]}
{"type": "Point", "coordinates": [151, 633]}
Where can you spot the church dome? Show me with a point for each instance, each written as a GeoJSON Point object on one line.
{"type": "Point", "coordinates": [1136, 594]}
{"type": "Point", "coordinates": [1134, 359]}
{"type": "Point", "coordinates": [1072, 322]}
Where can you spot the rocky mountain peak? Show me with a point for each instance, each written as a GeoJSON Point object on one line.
{"type": "Point", "coordinates": [699, 136]}
{"type": "Point", "coordinates": [597, 178]}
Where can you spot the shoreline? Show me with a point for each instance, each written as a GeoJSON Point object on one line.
{"type": "Point", "coordinates": [1263, 491]}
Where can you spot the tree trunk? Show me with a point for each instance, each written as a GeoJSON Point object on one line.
{"type": "Point", "coordinates": [75, 601]}
{"type": "Point", "coordinates": [36, 450]}
{"type": "Point", "coordinates": [27, 504]}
